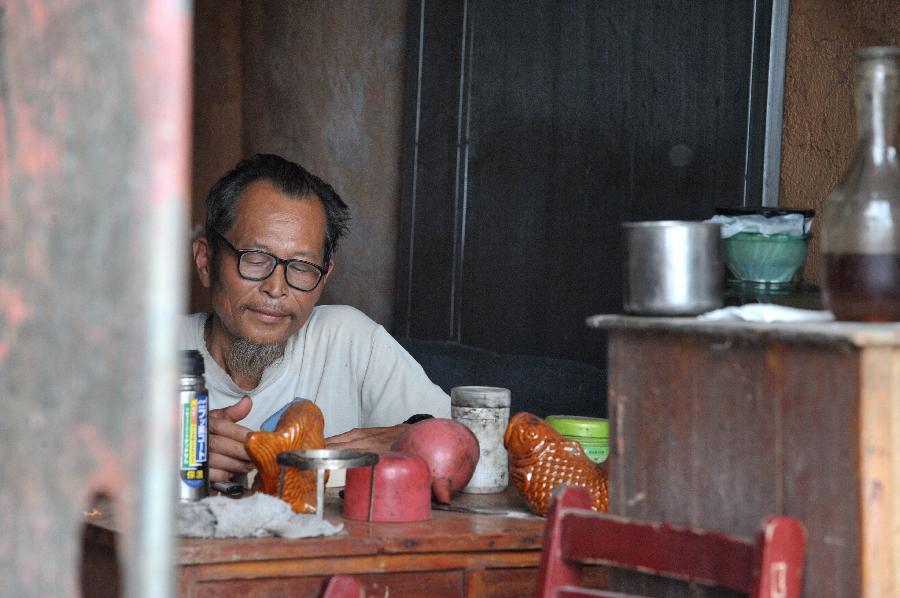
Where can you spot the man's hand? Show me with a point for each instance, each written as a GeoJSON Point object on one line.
{"type": "Point", "coordinates": [227, 455]}
{"type": "Point", "coordinates": [366, 439]}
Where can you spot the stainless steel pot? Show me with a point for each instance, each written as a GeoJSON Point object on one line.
{"type": "Point", "coordinates": [672, 268]}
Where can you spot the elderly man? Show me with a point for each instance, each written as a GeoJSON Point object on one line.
{"type": "Point", "coordinates": [271, 232]}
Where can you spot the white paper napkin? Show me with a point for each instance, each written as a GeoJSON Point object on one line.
{"type": "Point", "coordinates": [767, 313]}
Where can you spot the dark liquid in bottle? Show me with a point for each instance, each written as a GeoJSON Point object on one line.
{"type": "Point", "coordinates": [862, 287]}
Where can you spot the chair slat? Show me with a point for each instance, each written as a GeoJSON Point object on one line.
{"type": "Point", "coordinates": [782, 543]}
{"type": "Point", "coordinates": [770, 567]}
{"type": "Point", "coordinates": [661, 549]}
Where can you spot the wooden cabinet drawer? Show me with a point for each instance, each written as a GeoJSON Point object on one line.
{"type": "Point", "coordinates": [429, 583]}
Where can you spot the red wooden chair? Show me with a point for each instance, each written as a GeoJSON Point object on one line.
{"type": "Point", "coordinates": [771, 567]}
{"type": "Point", "coordinates": [343, 586]}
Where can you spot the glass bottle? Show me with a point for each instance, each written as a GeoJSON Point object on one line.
{"type": "Point", "coordinates": [861, 223]}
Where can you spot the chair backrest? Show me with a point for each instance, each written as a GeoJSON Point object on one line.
{"type": "Point", "coordinates": [770, 567]}
{"type": "Point", "coordinates": [343, 586]}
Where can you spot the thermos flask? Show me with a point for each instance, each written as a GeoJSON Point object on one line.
{"type": "Point", "coordinates": [193, 411]}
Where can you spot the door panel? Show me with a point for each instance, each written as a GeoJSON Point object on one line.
{"type": "Point", "coordinates": [568, 119]}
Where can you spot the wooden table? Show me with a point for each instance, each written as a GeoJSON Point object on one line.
{"type": "Point", "coordinates": [718, 424]}
{"type": "Point", "coordinates": [453, 554]}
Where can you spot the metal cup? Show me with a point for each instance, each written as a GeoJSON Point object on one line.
{"type": "Point", "coordinates": [672, 268]}
{"type": "Point", "coordinates": [485, 411]}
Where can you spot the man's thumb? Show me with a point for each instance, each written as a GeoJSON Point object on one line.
{"type": "Point", "coordinates": [239, 410]}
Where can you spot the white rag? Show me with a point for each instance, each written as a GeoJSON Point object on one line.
{"type": "Point", "coordinates": [257, 515]}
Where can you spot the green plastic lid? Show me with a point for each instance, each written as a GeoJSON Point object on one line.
{"type": "Point", "coordinates": [579, 426]}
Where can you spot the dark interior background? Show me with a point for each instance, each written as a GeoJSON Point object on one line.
{"type": "Point", "coordinates": [323, 82]}
{"type": "Point", "coordinates": [534, 129]}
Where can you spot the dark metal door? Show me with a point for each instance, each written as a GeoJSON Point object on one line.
{"type": "Point", "coordinates": [535, 128]}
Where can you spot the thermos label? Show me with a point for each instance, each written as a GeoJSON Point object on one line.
{"type": "Point", "coordinates": [194, 440]}
{"type": "Point", "coordinates": [202, 411]}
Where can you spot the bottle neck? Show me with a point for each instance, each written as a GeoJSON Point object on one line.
{"type": "Point", "coordinates": [877, 101]}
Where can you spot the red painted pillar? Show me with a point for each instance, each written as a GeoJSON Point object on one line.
{"type": "Point", "coordinates": [94, 147]}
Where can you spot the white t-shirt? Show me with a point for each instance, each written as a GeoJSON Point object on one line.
{"type": "Point", "coordinates": [341, 360]}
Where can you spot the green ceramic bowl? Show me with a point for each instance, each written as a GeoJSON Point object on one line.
{"type": "Point", "coordinates": [755, 257]}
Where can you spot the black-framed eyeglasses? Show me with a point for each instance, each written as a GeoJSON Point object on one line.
{"type": "Point", "coordinates": [256, 264]}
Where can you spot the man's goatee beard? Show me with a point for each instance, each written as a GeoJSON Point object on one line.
{"type": "Point", "coordinates": [249, 359]}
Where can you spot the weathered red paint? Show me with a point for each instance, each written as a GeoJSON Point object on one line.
{"type": "Point", "coordinates": [37, 10]}
{"type": "Point", "coordinates": [771, 567]}
{"type": "Point", "coordinates": [166, 23]}
{"type": "Point", "coordinates": [94, 137]}
{"type": "Point", "coordinates": [42, 157]}
{"type": "Point", "coordinates": [13, 313]}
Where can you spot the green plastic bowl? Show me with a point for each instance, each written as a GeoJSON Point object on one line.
{"type": "Point", "coordinates": [755, 257]}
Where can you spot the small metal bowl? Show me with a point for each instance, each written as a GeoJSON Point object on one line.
{"type": "Point", "coordinates": [322, 459]}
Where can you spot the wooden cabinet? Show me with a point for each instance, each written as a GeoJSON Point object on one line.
{"type": "Point", "coordinates": [719, 424]}
{"type": "Point", "coordinates": [453, 554]}
{"type": "Point", "coordinates": [310, 586]}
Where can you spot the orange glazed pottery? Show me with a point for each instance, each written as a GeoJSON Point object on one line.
{"type": "Point", "coordinates": [540, 459]}
{"type": "Point", "coordinates": [301, 427]}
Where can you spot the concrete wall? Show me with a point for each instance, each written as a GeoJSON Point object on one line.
{"type": "Point", "coordinates": [319, 82]}
{"type": "Point", "coordinates": [819, 133]}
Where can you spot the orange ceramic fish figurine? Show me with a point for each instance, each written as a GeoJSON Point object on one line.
{"type": "Point", "coordinates": [540, 459]}
{"type": "Point", "coordinates": [301, 427]}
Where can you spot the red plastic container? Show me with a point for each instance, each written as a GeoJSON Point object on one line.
{"type": "Point", "coordinates": [402, 489]}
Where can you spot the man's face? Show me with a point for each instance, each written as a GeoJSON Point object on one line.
{"type": "Point", "coordinates": [268, 311]}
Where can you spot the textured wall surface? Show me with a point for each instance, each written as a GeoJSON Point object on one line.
{"type": "Point", "coordinates": [323, 85]}
{"type": "Point", "coordinates": [217, 109]}
{"type": "Point", "coordinates": [819, 133]}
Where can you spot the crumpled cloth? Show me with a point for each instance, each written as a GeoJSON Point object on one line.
{"type": "Point", "coordinates": [257, 515]}
{"type": "Point", "coordinates": [767, 312]}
